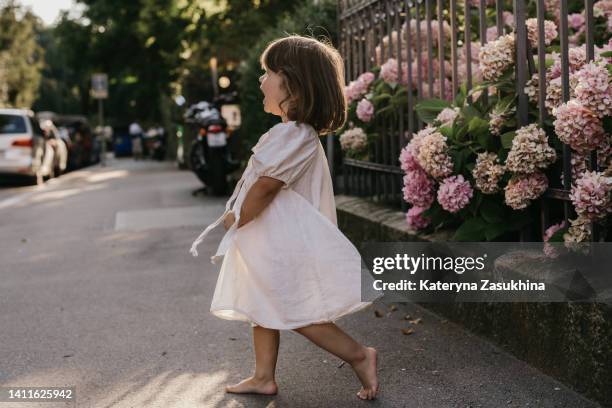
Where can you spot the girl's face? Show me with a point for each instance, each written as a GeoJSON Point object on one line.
{"type": "Point", "coordinates": [274, 92]}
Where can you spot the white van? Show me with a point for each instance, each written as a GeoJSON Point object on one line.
{"type": "Point", "coordinates": [23, 148]}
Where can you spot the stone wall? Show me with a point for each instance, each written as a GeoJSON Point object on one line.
{"type": "Point", "coordinates": [569, 341]}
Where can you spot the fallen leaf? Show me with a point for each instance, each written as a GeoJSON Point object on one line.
{"type": "Point", "coordinates": [407, 331]}
{"type": "Point", "coordinates": [416, 321]}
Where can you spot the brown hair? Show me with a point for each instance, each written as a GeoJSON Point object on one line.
{"type": "Point", "coordinates": [313, 74]}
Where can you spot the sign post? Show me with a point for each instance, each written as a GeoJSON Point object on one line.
{"type": "Point", "coordinates": [99, 91]}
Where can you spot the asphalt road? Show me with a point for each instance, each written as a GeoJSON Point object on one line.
{"type": "Point", "coordinates": [98, 291]}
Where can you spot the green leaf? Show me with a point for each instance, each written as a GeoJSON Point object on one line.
{"type": "Point", "coordinates": [493, 231]}
{"type": "Point", "coordinates": [428, 109]}
{"type": "Point", "coordinates": [446, 131]}
{"type": "Point", "coordinates": [519, 220]}
{"type": "Point", "coordinates": [469, 112]}
{"type": "Point", "coordinates": [479, 128]}
{"type": "Point", "coordinates": [606, 54]}
{"type": "Point", "coordinates": [558, 236]}
{"type": "Point", "coordinates": [505, 103]}
{"type": "Point", "coordinates": [380, 97]}
{"type": "Point", "coordinates": [459, 158]}
{"type": "Point", "coordinates": [492, 211]}
{"type": "Point", "coordinates": [463, 130]}
{"type": "Point", "coordinates": [436, 213]}
{"type": "Point", "coordinates": [506, 139]}
{"type": "Point", "coordinates": [472, 230]}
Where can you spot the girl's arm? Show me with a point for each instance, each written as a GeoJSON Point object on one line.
{"type": "Point", "coordinates": [259, 196]}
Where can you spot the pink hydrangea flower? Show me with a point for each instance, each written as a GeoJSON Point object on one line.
{"type": "Point", "coordinates": [491, 33]}
{"type": "Point", "coordinates": [523, 188]}
{"type": "Point", "coordinates": [447, 116]}
{"type": "Point", "coordinates": [487, 172]}
{"type": "Point", "coordinates": [366, 78]}
{"type": "Point", "coordinates": [530, 150]}
{"type": "Point", "coordinates": [359, 87]}
{"type": "Point", "coordinates": [550, 31]}
{"type": "Point", "coordinates": [576, 21]}
{"type": "Point", "coordinates": [418, 188]}
{"type": "Point", "coordinates": [578, 127]}
{"type": "Point", "coordinates": [549, 250]}
{"type": "Point", "coordinates": [408, 161]}
{"type": "Point", "coordinates": [591, 195]}
{"type": "Point", "coordinates": [389, 72]}
{"type": "Point", "coordinates": [354, 139]}
{"type": "Point", "coordinates": [579, 231]}
{"type": "Point", "coordinates": [454, 193]}
{"type": "Point", "coordinates": [576, 56]}
{"type": "Point", "coordinates": [594, 88]}
{"type": "Point", "coordinates": [416, 219]}
{"type": "Point", "coordinates": [365, 110]}
{"type": "Point", "coordinates": [433, 155]}
{"type": "Point", "coordinates": [408, 155]}
{"type": "Point", "coordinates": [496, 56]}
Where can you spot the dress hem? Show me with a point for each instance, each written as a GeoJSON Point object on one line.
{"type": "Point", "coordinates": [246, 317]}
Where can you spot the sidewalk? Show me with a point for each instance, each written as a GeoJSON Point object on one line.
{"type": "Point", "coordinates": [91, 296]}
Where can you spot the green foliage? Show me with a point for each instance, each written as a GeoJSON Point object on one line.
{"type": "Point", "coordinates": [20, 56]}
{"type": "Point", "coordinates": [506, 139]}
{"type": "Point", "coordinates": [428, 109]}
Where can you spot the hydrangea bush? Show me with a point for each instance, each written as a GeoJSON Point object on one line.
{"type": "Point", "coordinates": [472, 168]}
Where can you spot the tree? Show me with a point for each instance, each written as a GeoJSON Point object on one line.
{"type": "Point", "coordinates": [20, 55]}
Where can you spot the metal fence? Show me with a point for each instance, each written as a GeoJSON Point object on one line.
{"type": "Point", "coordinates": [371, 32]}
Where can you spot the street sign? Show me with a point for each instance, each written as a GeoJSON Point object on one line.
{"type": "Point", "coordinates": [99, 86]}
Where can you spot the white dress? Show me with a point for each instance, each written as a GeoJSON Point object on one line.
{"type": "Point", "coordinates": [290, 266]}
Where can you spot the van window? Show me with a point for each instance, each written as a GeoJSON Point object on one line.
{"type": "Point", "coordinates": [10, 124]}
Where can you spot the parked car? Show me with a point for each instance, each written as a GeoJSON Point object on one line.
{"type": "Point", "coordinates": [24, 149]}
{"type": "Point", "coordinates": [83, 147]}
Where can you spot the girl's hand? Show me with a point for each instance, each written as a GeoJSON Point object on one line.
{"type": "Point", "coordinates": [229, 220]}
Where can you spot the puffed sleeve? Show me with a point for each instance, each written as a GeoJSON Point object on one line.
{"type": "Point", "coordinates": [288, 151]}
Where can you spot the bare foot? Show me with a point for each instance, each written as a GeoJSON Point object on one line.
{"type": "Point", "coordinates": [252, 385]}
{"type": "Point", "coordinates": [366, 370]}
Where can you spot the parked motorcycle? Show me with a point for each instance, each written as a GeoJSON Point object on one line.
{"type": "Point", "coordinates": [210, 158]}
{"type": "Point", "coordinates": [155, 143]}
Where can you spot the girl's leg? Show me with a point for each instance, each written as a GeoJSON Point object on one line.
{"type": "Point", "coordinates": [266, 342]}
{"type": "Point", "coordinates": [363, 359]}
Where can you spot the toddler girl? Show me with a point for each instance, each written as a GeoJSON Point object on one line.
{"type": "Point", "coordinates": [286, 265]}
